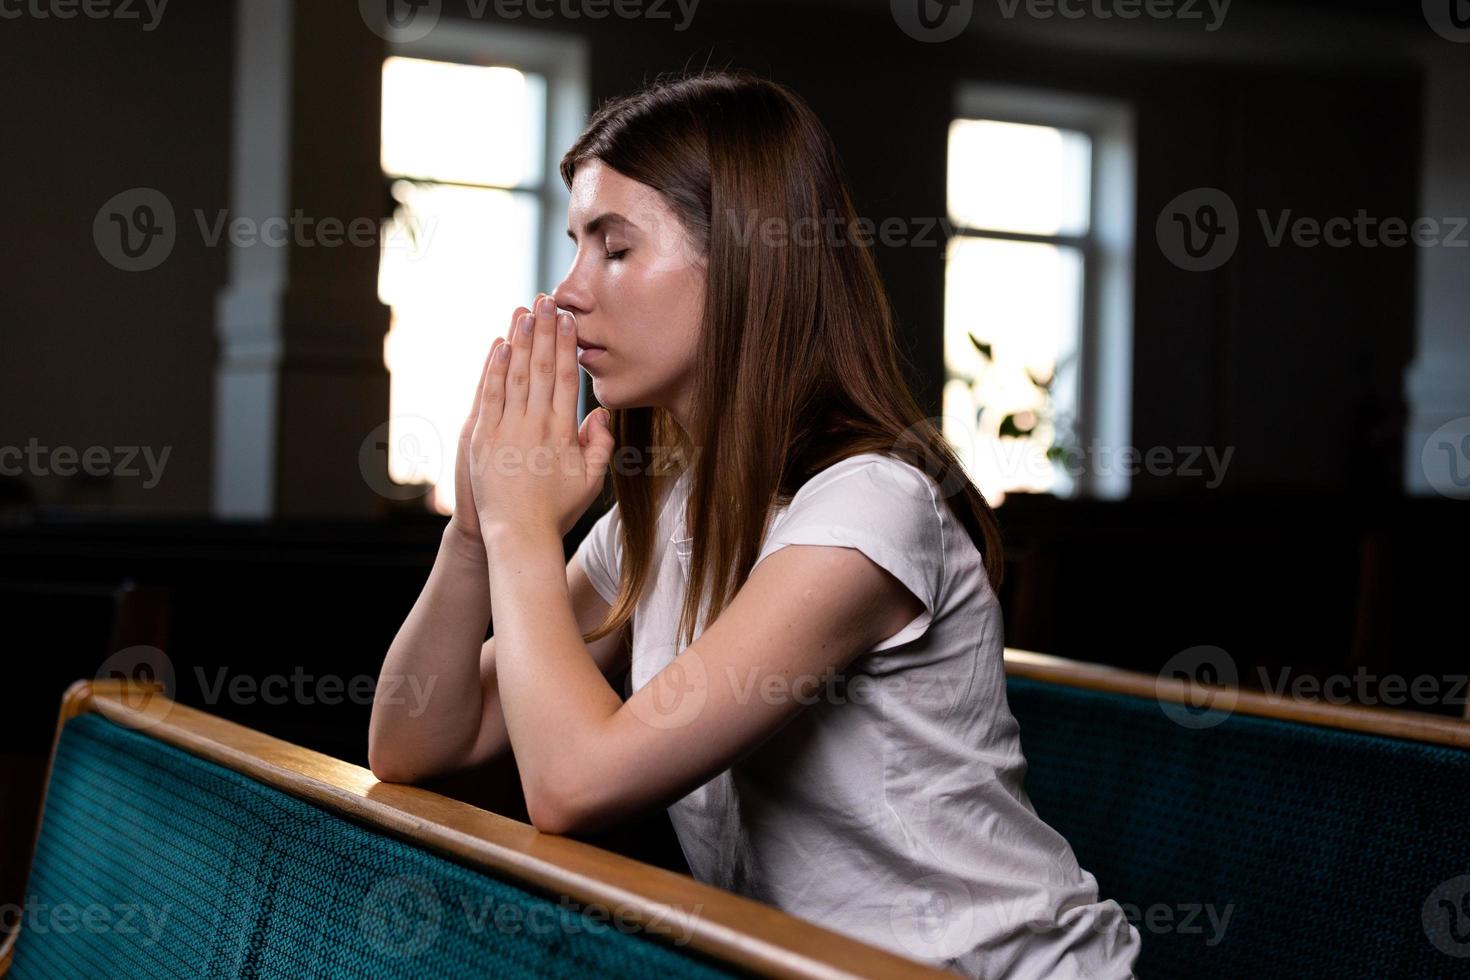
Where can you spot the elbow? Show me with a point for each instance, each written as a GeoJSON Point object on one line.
{"type": "Point", "coordinates": [380, 763]}
{"type": "Point", "coordinates": [388, 761]}
{"type": "Point", "coordinates": [550, 821]}
{"type": "Point", "coordinates": [385, 773]}
{"type": "Point", "coordinates": [387, 769]}
{"type": "Point", "coordinates": [556, 811]}
{"type": "Point", "coordinates": [390, 775]}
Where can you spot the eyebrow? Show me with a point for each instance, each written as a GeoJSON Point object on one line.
{"type": "Point", "coordinates": [607, 217]}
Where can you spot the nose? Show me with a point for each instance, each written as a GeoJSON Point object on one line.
{"type": "Point", "coordinates": [571, 295]}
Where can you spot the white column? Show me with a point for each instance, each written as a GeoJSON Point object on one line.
{"type": "Point", "coordinates": [300, 379]}
{"type": "Point", "coordinates": [1437, 444]}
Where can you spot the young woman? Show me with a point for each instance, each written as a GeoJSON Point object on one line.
{"type": "Point", "coordinates": [826, 724]}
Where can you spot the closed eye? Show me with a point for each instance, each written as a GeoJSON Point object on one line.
{"type": "Point", "coordinates": [614, 256]}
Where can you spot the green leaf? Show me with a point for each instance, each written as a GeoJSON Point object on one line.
{"type": "Point", "coordinates": [1010, 427]}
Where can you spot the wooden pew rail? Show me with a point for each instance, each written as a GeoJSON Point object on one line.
{"type": "Point", "coordinates": [729, 928]}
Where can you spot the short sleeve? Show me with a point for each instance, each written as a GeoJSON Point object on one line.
{"type": "Point", "coordinates": [601, 554]}
{"type": "Point", "coordinates": [883, 507]}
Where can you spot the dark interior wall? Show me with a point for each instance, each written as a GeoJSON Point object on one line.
{"type": "Point", "coordinates": [1294, 357]}
{"type": "Point", "coordinates": [1291, 356]}
{"type": "Point", "coordinates": [91, 355]}
{"type": "Point", "coordinates": [1314, 339]}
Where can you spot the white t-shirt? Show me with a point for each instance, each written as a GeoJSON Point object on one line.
{"type": "Point", "coordinates": [891, 808]}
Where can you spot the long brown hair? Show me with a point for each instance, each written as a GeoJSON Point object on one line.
{"type": "Point", "coordinates": [797, 364]}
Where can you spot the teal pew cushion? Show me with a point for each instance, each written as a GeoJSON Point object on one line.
{"type": "Point", "coordinates": [1256, 847]}
{"type": "Point", "coordinates": [153, 862]}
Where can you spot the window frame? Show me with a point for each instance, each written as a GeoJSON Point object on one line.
{"type": "Point", "coordinates": [563, 60]}
{"type": "Point", "coordinates": [1102, 413]}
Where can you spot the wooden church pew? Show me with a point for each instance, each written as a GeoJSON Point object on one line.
{"type": "Point", "coordinates": [1249, 834]}
{"type": "Point", "coordinates": [238, 853]}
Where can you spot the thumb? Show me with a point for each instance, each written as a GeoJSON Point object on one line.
{"type": "Point", "coordinates": [597, 442]}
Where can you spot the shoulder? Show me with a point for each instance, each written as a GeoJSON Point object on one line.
{"type": "Point", "coordinates": [885, 507]}
{"type": "Point", "coordinates": [871, 480]}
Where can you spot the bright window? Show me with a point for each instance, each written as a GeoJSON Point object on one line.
{"type": "Point", "coordinates": [1033, 272]}
{"type": "Point", "coordinates": [473, 123]}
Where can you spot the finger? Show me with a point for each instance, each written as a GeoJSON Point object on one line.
{"type": "Point", "coordinates": [518, 368]}
{"type": "Point", "coordinates": [467, 432]}
{"type": "Point", "coordinates": [568, 375]}
{"type": "Point", "coordinates": [492, 406]}
{"type": "Point", "coordinates": [597, 444]}
{"type": "Point", "coordinates": [490, 356]}
{"type": "Point", "coordinates": [543, 357]}
{"type": "Point", "coordinates": [484, 373]}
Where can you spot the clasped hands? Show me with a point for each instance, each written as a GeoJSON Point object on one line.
{"type": "Point", "coordinates": [524, 461]}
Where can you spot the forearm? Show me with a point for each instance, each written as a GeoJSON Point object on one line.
{"type": "Point", "coordinates": [554, 698]}
{"type": "Point", "coordinates": [429, 704]}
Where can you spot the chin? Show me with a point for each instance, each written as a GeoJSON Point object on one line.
{"type": "Point", "coordinates": [621, 395]}
{"type": "Point", "coordinates": [609, 396]}
{"type": "Point", "coordinates": [617, 396]}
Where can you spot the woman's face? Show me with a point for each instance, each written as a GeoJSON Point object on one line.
{"type": "Point", "coordinates": [635, 288]}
